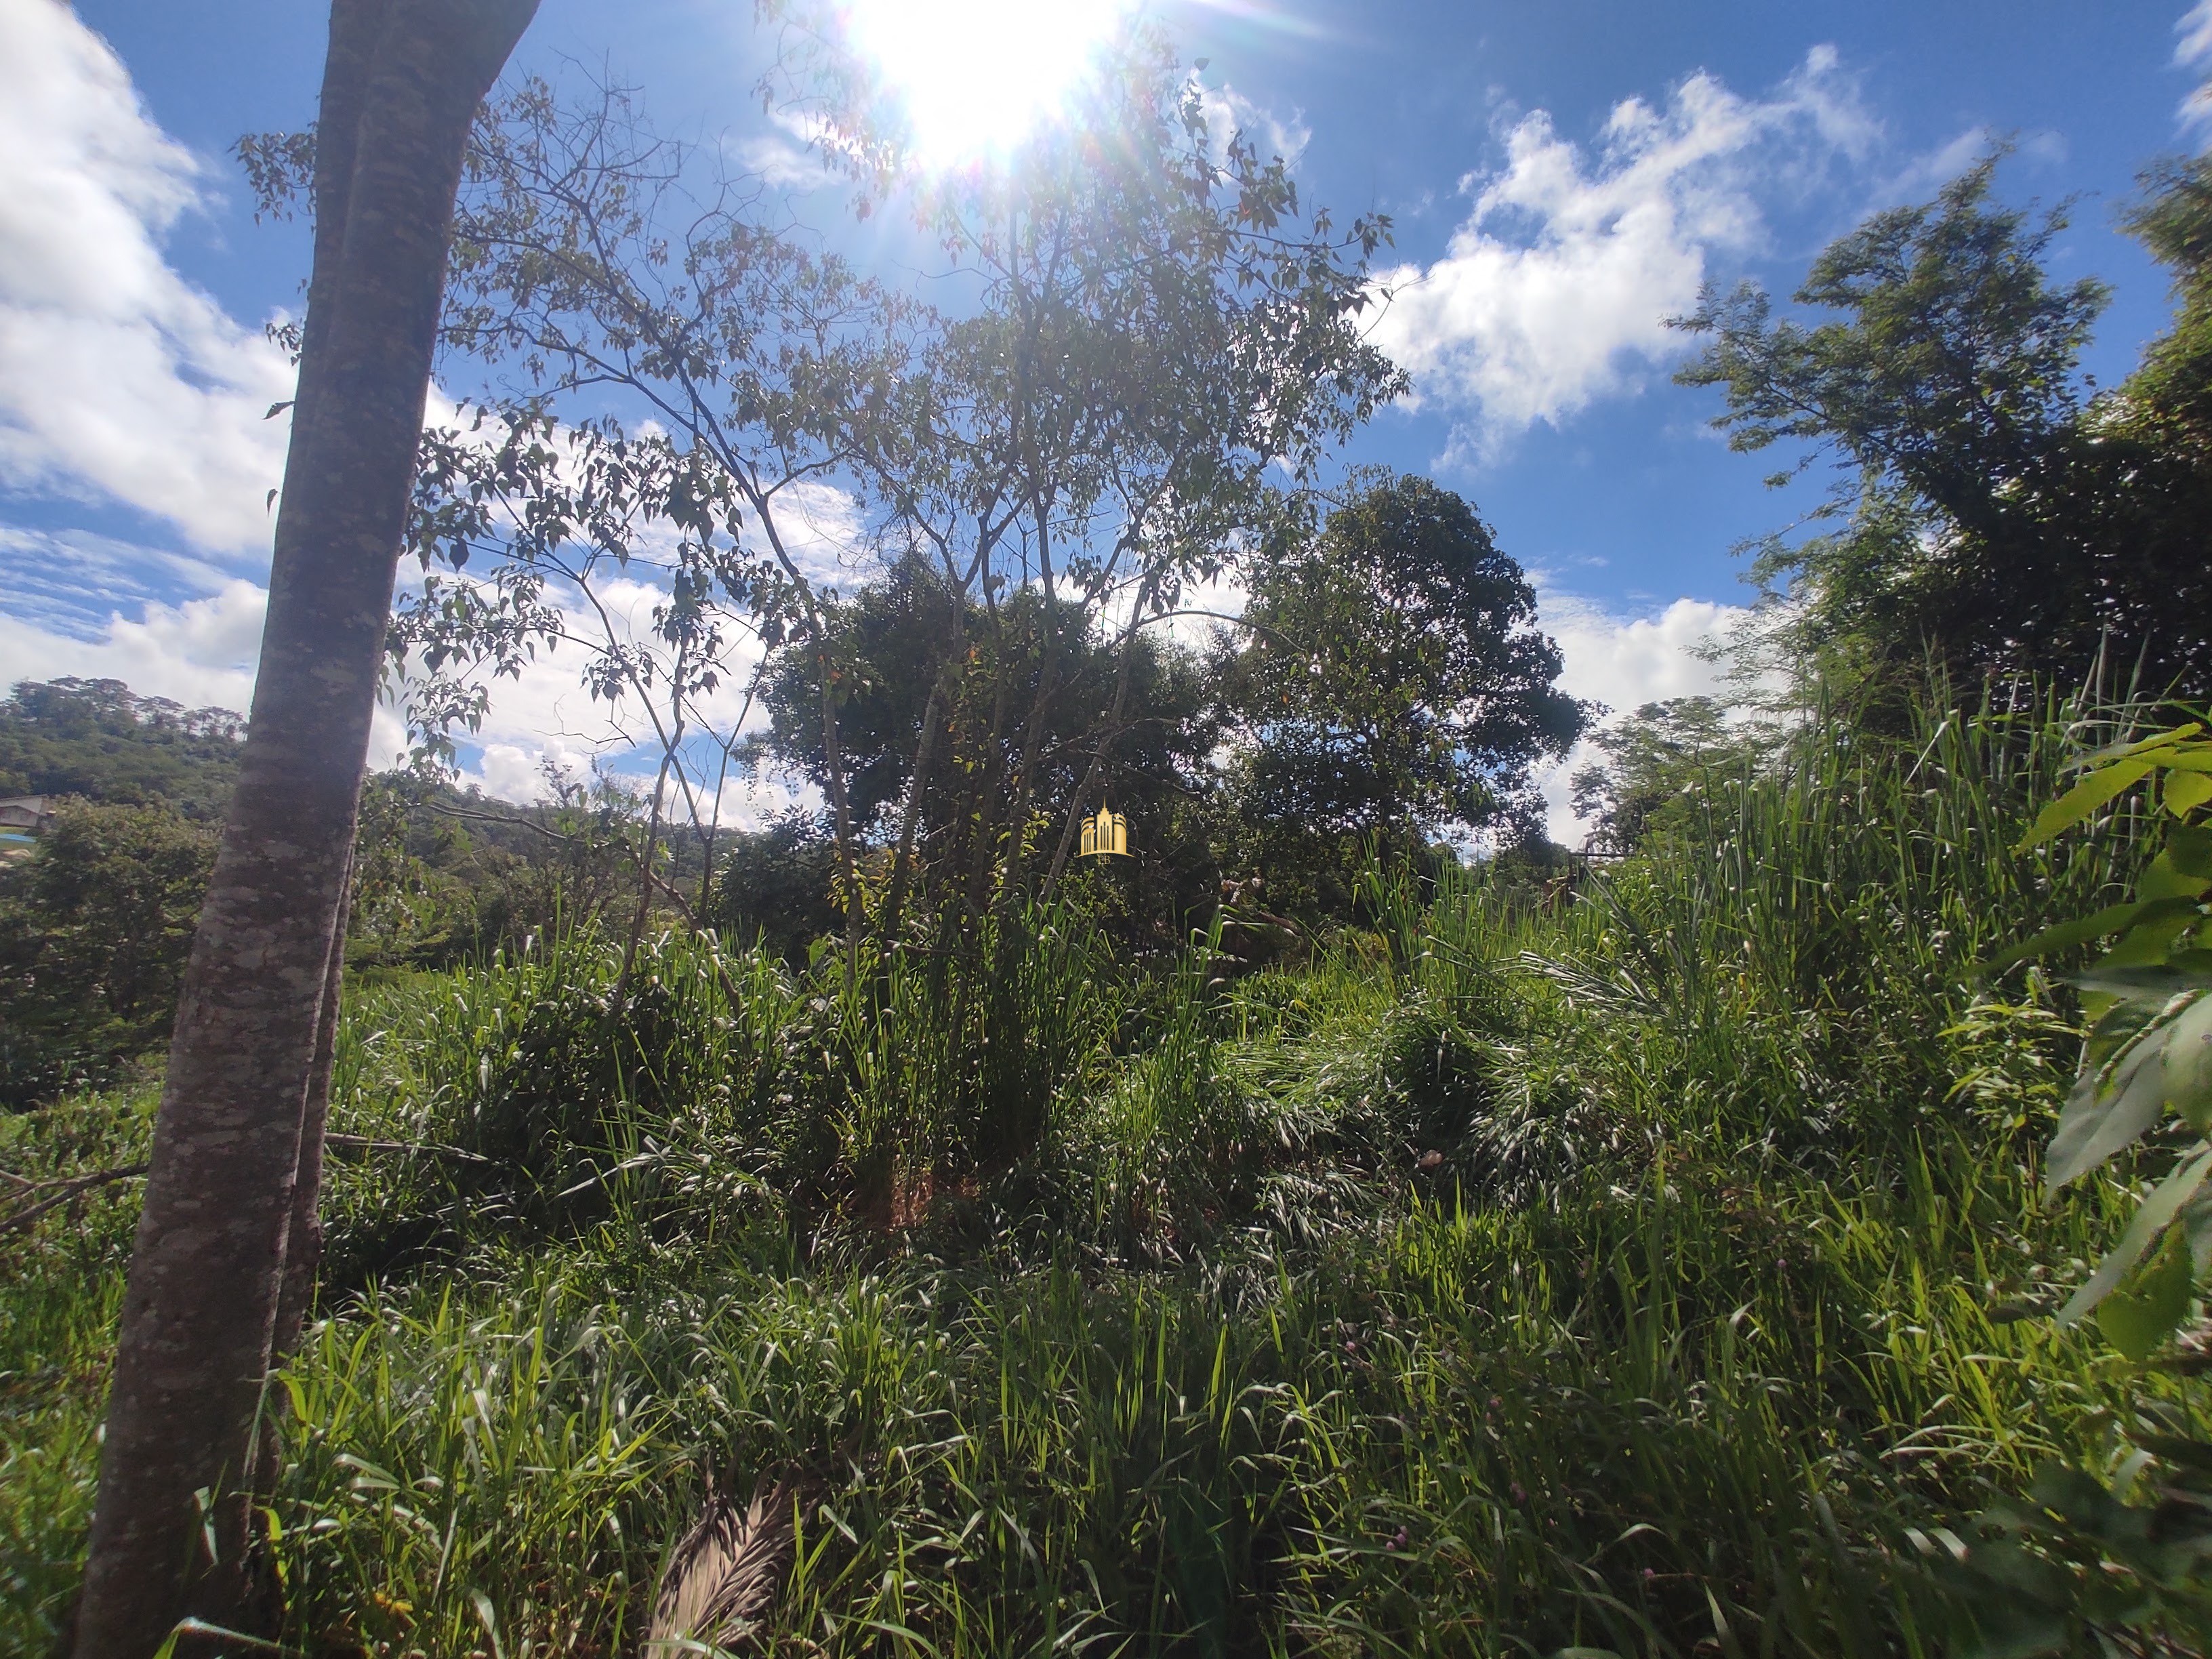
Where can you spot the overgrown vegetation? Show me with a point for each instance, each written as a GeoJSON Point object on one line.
{"type": "Point", "coordinates": [1644, 1273]}
{"type": "Point", "coordinates": [1306, 1240]}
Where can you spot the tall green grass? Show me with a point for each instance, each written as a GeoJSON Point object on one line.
{"type": "Point", "coordinates": [1635, 1270]}
{"type": "Point", "coordinates": [61, 1288]}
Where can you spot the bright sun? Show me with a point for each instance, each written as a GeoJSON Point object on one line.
{"type": "Point", "coordinates": [973, 77]}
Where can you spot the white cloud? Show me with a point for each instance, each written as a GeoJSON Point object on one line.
{"type": "Point", "coordinates": [204, 653]}
{"type": "Point", "coordinates": [511, 772]}
{"type": "Point", "coordinates": [790, 158]}
{"type": "Point", "coordinates": [1625, 662]}
{"type": "Point", "coordinates": [1939, 166]}
{"type": "Point", "coordinates": [750, 803]}
{"type": "Point", "coordinates": [121, 382]}
{"type": "Point", "coordinates": [1228, 113]}
{"type": "Point", "coordinates": [822, 528]}
{"type": "Point", "coordinates": [201, 653]}
{"type": "Point", "coordinates": [2195, 29]}
{"type": "Point", "coordinates": [547, 712]}
{"type": "Point", "coordinates": [117, 377]}
{"type": "Point", "coordinates": [73, 580]}
{"type": "Point", "coordinates": [1556, 290]}
{"type": "Point", "coordinates": [1925, 174]}
{"type": "Point", "coordinates": [2194, 52]}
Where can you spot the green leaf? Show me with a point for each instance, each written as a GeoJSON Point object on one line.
{"type": "Point", "coordinates": [2190, 850]}
{"type": "Point", "coordinates": [2141, 746]}
{"type": "Point", "coordinates": [2136, 1320]}
{"type": "Point", "coordinates": [2175, 1448]}
{"type": "Point", "coordinates": [2195, 1222]}
{"type": "Point", "coordinates": [2150, 939]}
{"type": "Point", "coordinates": [2112, 918]}
{"type": "Point", "coordinates": [2108, 1111]}
{"type": "Point", "coordinates": [2185, 792]}
{"type": "Point", "coordinates": [2149, 1221]}
{"type": "Point", "coordinates": [2190, 971]}
{"type": "Point", "coordinates": [2094, 789]}
{"type": "Point", "coordinates": [2164, 878]}
{"type": "Point", "coordinates": [2186, 1064]}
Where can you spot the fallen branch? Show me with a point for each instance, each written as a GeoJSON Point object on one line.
{"type": "Point", "coordinates": [59, 1191]}
{"type": "Point", "coordinates": [62, 1191]}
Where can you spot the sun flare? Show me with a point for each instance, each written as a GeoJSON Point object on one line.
{"type": "Point", "coordinates": [973, 77]}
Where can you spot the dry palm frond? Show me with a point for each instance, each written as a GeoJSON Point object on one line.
{"type": "Point", "coordinates": [722, 1576]}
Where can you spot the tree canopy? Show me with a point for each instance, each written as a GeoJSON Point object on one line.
{"type": "Point", "coordinates": [1390, 679]}
{"type": "Point", "coordinates": [1994, 512]}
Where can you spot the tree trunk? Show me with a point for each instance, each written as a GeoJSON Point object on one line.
{"type": "Point", "coordinates": [401, 86]}
{"type": "Point", "coordinates": [1112, 730]}
{"type": "Point", "coordinates": [925, 761]}
{"type": "Point", "coordinates": [303, 1247]}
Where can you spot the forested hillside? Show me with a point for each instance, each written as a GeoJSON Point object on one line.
{"type": "Point", "coordinates": [100, 740]}
{"type": "Point", "coordinates": [1346, 1223]}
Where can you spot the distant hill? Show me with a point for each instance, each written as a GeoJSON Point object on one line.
{"type": "Point", "coordinates": [100, 739]}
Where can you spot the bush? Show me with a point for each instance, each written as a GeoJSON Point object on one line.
{"type": "Point", "coordinates": [774, 885]}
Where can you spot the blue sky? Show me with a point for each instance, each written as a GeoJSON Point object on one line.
{"type": "Point", "coordinates": [1561, 177]}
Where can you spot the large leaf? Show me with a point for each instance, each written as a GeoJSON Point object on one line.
{"type": "Point", "coordinates": [2149, 1221]}
{"type": "Point", "coordinates": [2112, 918]}
{"type": "Point", "coordinates": [2189, 846]}
{"type": "Point", "coordinates": [2094, 789]}
{"type": "Point", "coordinates": [2165, 878]}
{"type": "Point", "coordinates": [2142, 746]}
{"type": "Point", "coordinates": [2186, 1064]}
{"type": "Point", "coordinates": [2137, 1319]}
{"type": "Point", "coordinates": [2185, 792]}
{"type": "Point", "coordinates": [2155, 982]}
{"type": "Point", "coordinates": [2107, 1112]}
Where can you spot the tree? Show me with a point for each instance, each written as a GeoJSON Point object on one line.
{"type": "Point", "coordinates": [1647, 761]}
{"type": "Point", "coordinates": [1153, 340]}
{"type": "Point", "coordinates": [776, 885]}
{"type": "Point", "coordinates": [226, 1239]}
{"type": "Point", "coordinates": [761, 366]}
{"type": "Point", "coordinates": [1993, 513]}
{"type": "Point", "coordinates": [1391, 681]}
{"type": "Point", "coordinates": [1166, 341]}
{"type": "Point", "coordinates": [442, 876]}
{"type": "Point", "coordinates": [94, 931]}
{"type": "Point", "coordinates": [892, 641]}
